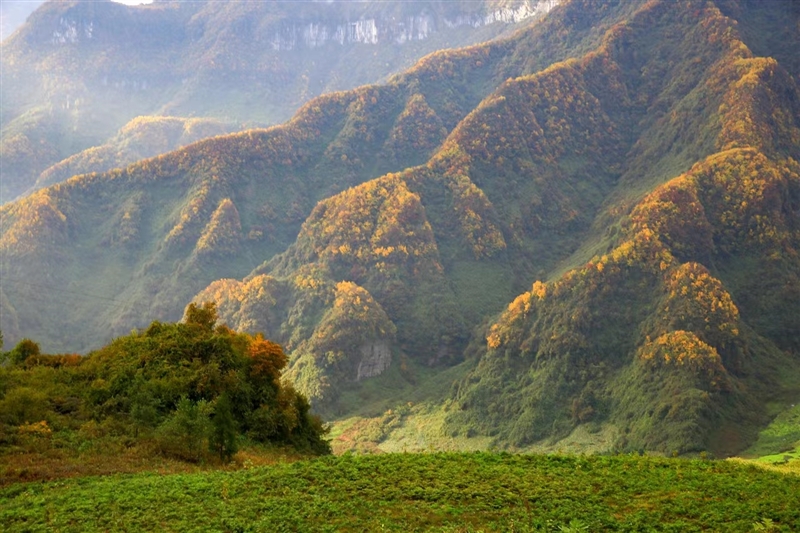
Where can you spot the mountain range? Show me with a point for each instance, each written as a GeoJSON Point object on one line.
{"type": "Point", "coordinates": [77, 72]}
{"type": "Point", "coordinates": [592, 224]}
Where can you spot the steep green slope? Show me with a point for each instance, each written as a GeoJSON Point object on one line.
{"type": "Point", "coordinates": [77, 72]}
{"type": "Point", "coordinates": [678, 355]}
{"type": "Point", "coordinates": [767, 32]}
{"type": "Point", "coordinates": [587, 349]}
{"type": "Point", "coordinates": [517, 187]}
{"type": "Point", "coordinates": [779, 443]}
{"type": "Point", "coordinates": [428, 245]}
{"type": "Point", "coordinates": [243, 193]}
{"type": "Point", "coordinates": [423, 492]}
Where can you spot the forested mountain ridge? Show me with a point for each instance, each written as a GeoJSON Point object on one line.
{"type": "Point", "coordinates": [146, 220]}
{"type": "Point", "coordinates": [588, 347]}
{"type": "Point", "coordinates": [640, 162]}
{"type": "Point", "coordinates": [77, 72]}
{"type": "Point", "coordinates": [141, 138]}
{"type": "Point", "coordinates": [679, 331]}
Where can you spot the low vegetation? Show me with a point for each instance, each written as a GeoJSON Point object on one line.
{"type": "Point", "coordinates": [422, 492]}
{"type": "Point", "coordinates": [779, 443]}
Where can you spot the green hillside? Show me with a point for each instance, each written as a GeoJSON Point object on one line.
{"type": "Point", "coordinates": [77, 72]}
{"type": "Point", "coordinates": [273, 178]}
{"type": "Point", "coordinates": [154, 221]}
{"type": "Point", "coordinates": [586, 348]}
{"type": "Point", "coordinates": [625, 174]}
{"type": "Point", "coordinates": [141, 138]}
{"type": "Point", "coordinates": [422, 492]}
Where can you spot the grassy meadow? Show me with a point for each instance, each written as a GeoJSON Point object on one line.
{"type": "Point", "coordinates": [421, 492]}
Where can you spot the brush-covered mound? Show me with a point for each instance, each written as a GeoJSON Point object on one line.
{"type": "Point", "coordinates": [192, 392]}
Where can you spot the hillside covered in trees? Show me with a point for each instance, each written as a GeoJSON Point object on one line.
{"type": "Point", "coordinates": [597, 219]}
{"type": "Point", "coordinates": [77, 72]}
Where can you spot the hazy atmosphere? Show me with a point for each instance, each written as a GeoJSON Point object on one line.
{"type": "Point", "coordinates": [409, 266]}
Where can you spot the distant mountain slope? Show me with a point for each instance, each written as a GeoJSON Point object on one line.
{"type": "Point", "coordinates": [13, 14]}
{"type": "Point", "coordinates": [139, 227]}
{"type": "Point", "coordinates": [78, 71]}
{"type": "Point", "coordinates": [636, 158]}
{"type": "Point", "coordinates": [141, 138]}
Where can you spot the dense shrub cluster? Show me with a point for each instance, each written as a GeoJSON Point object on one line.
{"type": "Point", "coordinates": [192, 390]}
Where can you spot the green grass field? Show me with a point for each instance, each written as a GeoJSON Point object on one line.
{"type": "Point", "coordinates": [779, 443]}
{"type": "Point", "coordinates": [421, 492]}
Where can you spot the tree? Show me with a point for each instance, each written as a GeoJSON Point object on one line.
{"type": "Point", "coordinates": [222, 440]}
{"type": "Point", "coordinates": [24, 349]}
{"type": "Point", "coordinates": [184, 433]}
{"type": "Point", "coordinates": [205, 317]}
{"type": "Point", "coordinates": [144, 409]}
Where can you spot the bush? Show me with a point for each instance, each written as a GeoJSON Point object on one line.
{"type": "Point", "coordinates": [184, 434]}
{"type": "Point", "coordinates": [23, 405]}
{"type": "Point", "coordinates": [222, 440]}
{"type": "Point", "coordinates": [24, 349]}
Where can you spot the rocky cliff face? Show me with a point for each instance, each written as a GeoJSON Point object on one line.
{"type": "Point", "coordinates": [396, 30]}
{"type": "Point", "coordinates": [321, 29]}
{"type": "Point", "coordinates": [376, 357]}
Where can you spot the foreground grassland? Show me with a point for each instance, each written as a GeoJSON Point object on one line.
{"type": "Point", "coordinates": [421, 492]}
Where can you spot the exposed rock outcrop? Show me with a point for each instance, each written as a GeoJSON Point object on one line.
{"type": "Point", "coordinates": [376, 356]}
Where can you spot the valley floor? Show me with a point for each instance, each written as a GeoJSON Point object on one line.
{"type": "Point", "coordinates": [421, 492]}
